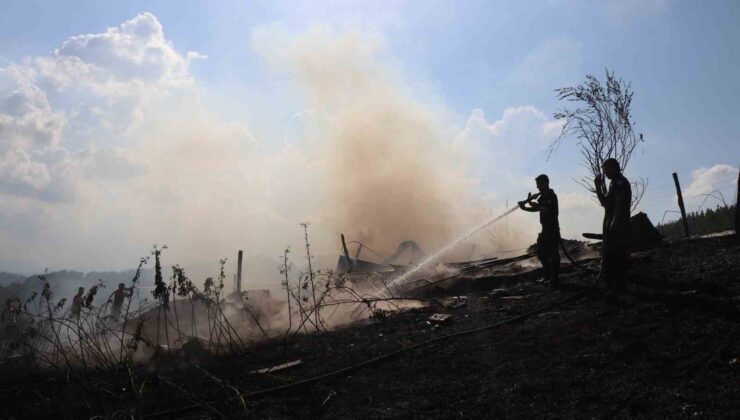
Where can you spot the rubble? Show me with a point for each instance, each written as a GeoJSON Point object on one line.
{"type": "Point", "coordinates": [278, 368]}
{"type": "Point", "coordinates": [497, 293]}
{"type": "Point", "coordinates": [455, 302]}
{"type": "Point", "coordinates": [517, 297]}
{"type": "Point", "coordinates": [438, 319]}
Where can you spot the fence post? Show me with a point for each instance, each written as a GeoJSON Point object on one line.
{"type": "Point", "coordinates": [680, 205]}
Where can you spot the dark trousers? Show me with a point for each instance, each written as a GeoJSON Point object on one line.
{"type": "Point", "coordinates": [614, 263]}
{"type": "Point", "coordinates": [547, 252]}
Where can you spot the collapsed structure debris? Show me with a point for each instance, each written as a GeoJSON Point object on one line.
{"type": "Point", "coordinates": [455, 302]}
{"type": "Point", "coordinates": [643, 234]}
{"type": "Point", "coordinates": [438, 319]}
{"type": "Point", "coordinates": [451, 277]}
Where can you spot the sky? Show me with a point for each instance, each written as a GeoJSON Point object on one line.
{"type": "Point", "coordinates": [222, 125]}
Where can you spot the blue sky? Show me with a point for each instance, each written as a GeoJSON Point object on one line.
{"type": "Point", "coordinates": [467, 62]}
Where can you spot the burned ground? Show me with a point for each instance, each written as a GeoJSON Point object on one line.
{"type": "Point", "coordinates": [668, 348]}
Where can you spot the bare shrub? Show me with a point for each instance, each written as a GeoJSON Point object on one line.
{"type": "Point", "coordinates": [603, 125]}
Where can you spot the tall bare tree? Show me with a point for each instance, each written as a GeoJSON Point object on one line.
{"type": "Point", "coordinates": [603, 125]}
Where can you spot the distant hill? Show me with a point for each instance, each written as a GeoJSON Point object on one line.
{"type": "Point", "coordinates": [8, 278]}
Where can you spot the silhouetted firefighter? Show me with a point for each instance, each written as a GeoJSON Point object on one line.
{"type": "Point", "coordinates": [549, 238]}
{"type": "Point", "coordinates": [77, 302]}
{"type": "Point", "coordinates": [118, 296]}
{"type": "Point", "coordinates": [616, 202]}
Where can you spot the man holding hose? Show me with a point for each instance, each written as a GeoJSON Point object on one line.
{"type": "Point", "coordinates": [549, 239]}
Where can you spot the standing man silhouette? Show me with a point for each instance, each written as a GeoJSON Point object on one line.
{"type": "Point", "coordinates": [77, 301]}
{"type": "Point", "coordinates": [616, 202]}
{"type": "Point", "coordinates": [549, 239]}
{"type": "Point", "coordinates": [117, 297]}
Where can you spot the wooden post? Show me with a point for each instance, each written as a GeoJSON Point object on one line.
{"type": "Point", "coordinates": [680, 205]}
{"type": "Point", "coordinates": [239, 273]}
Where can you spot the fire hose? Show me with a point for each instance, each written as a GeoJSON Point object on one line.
{"type": "Point", "coordinates": [576, 263]}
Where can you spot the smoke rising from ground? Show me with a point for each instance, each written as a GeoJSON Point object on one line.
{"type": "Point", "coordinates": [389, 172]}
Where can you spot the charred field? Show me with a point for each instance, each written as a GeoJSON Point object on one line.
{"type": "Point", "coordinates": [668, 348]}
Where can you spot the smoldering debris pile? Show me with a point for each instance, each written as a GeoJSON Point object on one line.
{"type": "Point", "coordinates": [454, 277]}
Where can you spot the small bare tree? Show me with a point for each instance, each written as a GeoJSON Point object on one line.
{"type": "Point", "coordinates": [603, 126]}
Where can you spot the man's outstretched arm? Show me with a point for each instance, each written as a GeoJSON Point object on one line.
{"type": "Point", "coordinates": [533, 206]}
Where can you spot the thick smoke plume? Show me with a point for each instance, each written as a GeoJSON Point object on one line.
{"type": "Point", "coordinates": [389, 174]}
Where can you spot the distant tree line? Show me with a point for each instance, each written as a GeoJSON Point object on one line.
{"type": "Point", "coordinates": [701, 222]}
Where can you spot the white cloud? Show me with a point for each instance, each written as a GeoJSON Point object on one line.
{"type": "Point", "coordinates": [522, 120]}
{"type": "Point", "coordinates": [706, 180]}
{"type": "Point", "coordinates": [520, 132]}
{"type": "Point", "coordinates": [117, 76]}
{"type": "Point", "coordinates": [498, 152]}
{"type": "Point", "coordinates": [19, 173]}
{"type": "Point", "coordinates": [27, 120]}
{"type": "Point", "coordinates": [194, 55]}
{"type": "Point", "coordinates": [29, 131]}
{"type": "Point", "coordinates": [552, 129]}
{"type": "Point", "coordinates": [133, 55]}
{"type": "Point", "coordinates": [526, 123]}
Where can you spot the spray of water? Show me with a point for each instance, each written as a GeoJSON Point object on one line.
{"type": "Point", "coordinates": [452, 245]}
